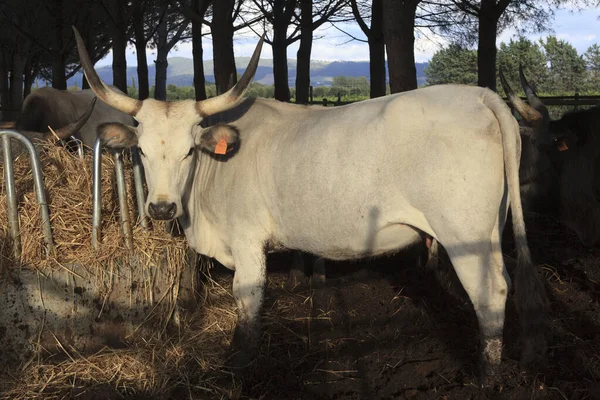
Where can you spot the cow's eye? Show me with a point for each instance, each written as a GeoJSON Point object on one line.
{"type": "Point", "coordinates": [141, 152]}
{"type": "Point", "coordinates": [190, 153]}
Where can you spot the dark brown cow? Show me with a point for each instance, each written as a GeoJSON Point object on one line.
{"type": "Point", "coordinates": [560, 163]}
{"type": "Point", "coordinates": [47, 135]}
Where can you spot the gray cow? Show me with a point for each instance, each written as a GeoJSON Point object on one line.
{"type": "Point", "coordinates": [245, 176]}
{"type": "Point", "coordinates": [52, 107]}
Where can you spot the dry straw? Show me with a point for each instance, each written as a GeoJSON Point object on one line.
{"type": "Point", "coordinates": [68, 182]}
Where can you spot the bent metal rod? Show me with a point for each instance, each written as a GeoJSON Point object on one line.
{"type": "Point", "coordinates": [11, 195]}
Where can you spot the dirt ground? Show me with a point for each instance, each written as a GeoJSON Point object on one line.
{"type": "Point", "coordinates": [383, 329]}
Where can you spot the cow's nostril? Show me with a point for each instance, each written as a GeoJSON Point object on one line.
{"type": "Point", "coordinates": [162, 210]}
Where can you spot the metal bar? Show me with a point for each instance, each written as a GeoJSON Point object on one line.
{"type": "Point", "coordinates": [124, 208]}
{"type": "Point", "coordinates": [79, 144]}
{"type": "Point", "coordinates": [40, 192]}
{"type": "Point", "coordinates": [138, 178]}
{"type": "Point", "coordinates": [38, 180]}
{"type": "Point", "coordinates": [97, 194]}
{"type": "Point", "coordinates": [11, 196]}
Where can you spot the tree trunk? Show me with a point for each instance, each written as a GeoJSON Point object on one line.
{"type": "Point", "coordinates": [59, 81]}
{"type": "Point", "coordinates": [16, 84]}
{"type": "Point", "coordinates": [222, 33]}
{"type": "Point", "coordinates": [304, 50]}
{"type": "Point", "coordinates": [399, 26]}
{"type": "Point", "coordinates": [197, 52]}
{"type": "Point", "coordinates": [377, 51]}
{"type": "Point", "coordinates": [5, 104]}
{"type": "Point", "coordinates": [486, 47]}
{"type": "Point", "coordinates": [119, 45]}
{"type": "Point", "coordinates": [160, 85]}
{"type": "Point", "coordinates": [280, 67]}
{"type": "Point", "coordinates": [140, 49]}
{"type": "Point", "coordinates": [28, 78]}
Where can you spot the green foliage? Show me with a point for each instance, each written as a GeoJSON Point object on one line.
{"type": "Point", "coordinates": [552, 66]}
{"type": "Point", "coordinates": [453, 64]}
{"type": "Point", "coordinates": [526, 53]}
{"type": "Point", "coordinates": [592, 60]}
{"type": "Point", "coordinates": [188, 92]}
{"type": "Point", "coordinates": [348, 88]}
{"type": "Point", "coordinates": [566, 70]}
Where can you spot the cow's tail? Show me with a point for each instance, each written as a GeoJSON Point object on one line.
{"type": "Point", "coordinates": [530, 295]}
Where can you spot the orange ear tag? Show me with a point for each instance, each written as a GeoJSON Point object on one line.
{"type": "Point", "coordinates": [562, 145]}
{"type": "Point", "coordinates": [221, 147]}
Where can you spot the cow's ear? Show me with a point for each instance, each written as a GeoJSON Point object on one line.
{"type": "Point", "coordinates": [117, 136]}
{"type": "Point", "coordinates": [219, 139]}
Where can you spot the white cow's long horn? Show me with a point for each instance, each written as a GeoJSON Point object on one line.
{"type": "Point", "coordinates": [231, 98]}
{"type": "Point", "coordinates": [532, 97]}
{"type": "Point", "coordinates": [105, 93]}
{"type": "Point", "coordinates": [67, 131]}
{"type": "Point", "coordinates": [529, 113]}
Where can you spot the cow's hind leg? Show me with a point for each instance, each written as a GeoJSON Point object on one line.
{"type": "Point", "coordinates": [248, 291]}
{"type": "Point", "coordinates": [318, 272]}
{"type": "Point", "coordinates": [297, 272]}
{"type": "Point", "coordinates": [483, 276]}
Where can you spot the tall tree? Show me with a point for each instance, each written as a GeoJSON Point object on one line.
{"type": "Point", "coordinates": [222, 33]}
{"type": "Point", "coordinates": [482, 20]}
{"type": "Point", "coordinates": [313, 14]}
{"type": "Point", "coordinates": [169, 32]}
{"type": "Point", "coordinates": [196, 10]}
{"type": "Point", "coordinates": [488, 13]}
{"type": "Point", "coordinates": [279, 14]}
{"type": "Point", "coordinates": [58, 54]}
{"type": "Point", "coordinates": [376, 42]}
{"type": "Point", "coordinates": [592, 60]}
{"type": "Point", "coordinates": [143, 30]}
{"type": "Point", "coordinates": [565, 68]}
{"type": "Point", "coordinates": [119, 17]}
{"type": "Point", "coordinates": [399, 33]}
{"type": "Point", "coordinates": [523, 52]}
{"type": "Point", "coordinates": [453, 64]}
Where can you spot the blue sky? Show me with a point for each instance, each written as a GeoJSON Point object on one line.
{"type": "Point", "coordinates": [580, 28]}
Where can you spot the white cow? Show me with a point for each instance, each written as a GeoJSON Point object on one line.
{"type": "Point", "coordinates": [343, 183]}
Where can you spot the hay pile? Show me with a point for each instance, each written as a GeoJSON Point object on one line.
{"type": "Point", "coordinates": [155, 365]}
{"type": "Point", "coordinates": [68, 182]}
{"type": "Point", "coordinates": [165, 367]}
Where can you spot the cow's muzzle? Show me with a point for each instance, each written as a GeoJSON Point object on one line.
{"type": "Point", "coordinates": [162, 210]}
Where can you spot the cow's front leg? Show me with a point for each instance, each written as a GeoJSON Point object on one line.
{"type": "Point", "coordinates": [248, 290]}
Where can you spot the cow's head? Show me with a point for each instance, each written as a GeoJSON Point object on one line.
{"type": "Point", "coordinates": [168, 134]}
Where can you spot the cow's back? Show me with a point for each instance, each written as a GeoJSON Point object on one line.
{"type": "Point", "coordinates": [45, 107]}
{"type": "Point", "coordinates": [102, 113]}
{"type": "Point", "coordinates": [57, 108]}
{"type": "Point", "coordinates": [385, 160]}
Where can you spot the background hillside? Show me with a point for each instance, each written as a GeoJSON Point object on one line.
{"type": "Point", "coordinates": [181, 71]}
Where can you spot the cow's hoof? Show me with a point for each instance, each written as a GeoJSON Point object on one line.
{"type": "Point", "coordinates": [245, 347]}
{"type": "Point", "coordinates": [489, 375]}
{"type": "Point", "coordinates": [241, 360]}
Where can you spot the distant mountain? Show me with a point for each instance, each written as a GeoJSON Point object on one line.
{"type": "Point", "coordinates": [181, 71]}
